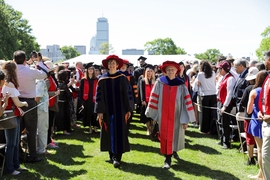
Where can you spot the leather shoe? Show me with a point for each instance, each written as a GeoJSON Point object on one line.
{"type": "Point", "coordinates": [34, 160]}
{"type": "Point", "coordinates": [116, 164]}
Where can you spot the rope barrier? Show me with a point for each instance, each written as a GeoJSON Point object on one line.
{"type": "Point", "coordinates": [216, 108]}
{"type": "Point", "coordinates": [21, 111]}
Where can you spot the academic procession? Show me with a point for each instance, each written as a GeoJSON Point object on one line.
{"type": "Point", "coordinates": [113, 119]}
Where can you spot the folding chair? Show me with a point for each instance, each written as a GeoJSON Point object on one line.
{"type": "Point", "coordinates": [2, 146]}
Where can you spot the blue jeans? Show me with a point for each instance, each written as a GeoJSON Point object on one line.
{"type": "Point", "coordinates": [12, 148]}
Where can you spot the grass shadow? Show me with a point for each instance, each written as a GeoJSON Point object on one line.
{"type": "Point", "coordinates": [143, 148]}
{"type": "Point", "coordinates": [195, 134]}
{"type": "Point", "coordinates": [71, 151]}
{"type": "Point", "coordinates": [145, 170]}
{"type": "Point", "coordinates": [202, 148]}
{"type": "Point", "coordinates": [44, 169]}
{"type": "Point", "coordinates": [200, 170]}
{"type": "Point", "coordinates": [79, 135]}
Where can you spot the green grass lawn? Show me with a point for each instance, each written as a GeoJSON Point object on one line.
{"type": "Point", "coordinates": [79, 157]}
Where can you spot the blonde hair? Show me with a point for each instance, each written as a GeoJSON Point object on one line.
{"type": "Point", "coordinates": [153, 78]}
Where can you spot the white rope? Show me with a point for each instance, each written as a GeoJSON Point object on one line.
{"type": "Point", "coordinates": [4, 119]}
{"type": "Point", "coordinates": [216, 108]}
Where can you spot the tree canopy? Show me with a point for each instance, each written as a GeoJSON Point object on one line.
{"type": "Point", "coordinates": [105, 48]}
{"type": "Point", "coordinates": [69, 52]}
{"type": "Point", "coordinates": [209, 54]}
{"type": "Point", "coordinates": [265, 43]}
{"type": "Point", "coordinates": [15, 32]}
{"type": "Point", "coordinates": [163, 46]}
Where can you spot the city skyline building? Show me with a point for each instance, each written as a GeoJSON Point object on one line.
{"type": "Point", "coordinates": [132, 51]}
{"type": "Point", "coordinates": [53, 52]}
{"type": "Point", "coordinates": [102, 35]}
{"type": "Point", "coordinates": [81, 49]}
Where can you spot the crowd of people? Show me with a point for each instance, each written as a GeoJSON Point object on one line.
{"type": "Point", "coordinates": [167, 97]}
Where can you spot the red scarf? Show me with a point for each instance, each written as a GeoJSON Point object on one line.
{"type": "Point", "coordinates": [148, 89]}
{"type": "Point", "coordinates": [86, 90]}
{"type": "Point", "coordinates": [53, 87]}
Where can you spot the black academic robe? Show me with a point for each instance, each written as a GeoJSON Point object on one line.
{"type": "Point", "coordinates": [62, 120]}
{"type": "Point", "coordinates": [88, 115]}
{"type": "Point", "coordinates": [113, 100]}
{"type": "Point", "coordinates": [143, 118]}
{"type": "Point", "coordinates": [133, 85]}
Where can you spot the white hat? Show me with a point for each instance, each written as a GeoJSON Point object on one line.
{"type": "Point", "coordinates": [50, 65]}
{"type": "Point", "coordinates": [252, 73]}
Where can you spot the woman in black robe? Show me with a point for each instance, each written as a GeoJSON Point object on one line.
{"type": "Point", "coordinates": [113, 108]}
{"type": "Point", "coordinates": [87, 97]}
{"type": "Point", "coordinates": [146, 85]}
{"type": "Point", "coordinates": [62, 120]}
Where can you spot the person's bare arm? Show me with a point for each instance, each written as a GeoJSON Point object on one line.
{"type": "Point", "coordinates": [4, 105]}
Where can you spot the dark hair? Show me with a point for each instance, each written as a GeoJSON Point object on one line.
{"type": "Point", "coordinates": [260, 66]}
{"type": "Point", "coordinates": [2, 75]}
{"type": "Point", "coordinates": [39, 54]}
{"type": "Point", "coordinates": [62, 75]}
{"type": "Point", "coordinates": [221, 58]}
{"type": "Point", "coordinates": [187, 67]}
{"type": "Point", "coordinates": [267, 53]}
{"type": "Point", "coordinates": [19, 56]}
{"type": "Point", "coordinates": [260, 79]}
{"type": "Point", "coordinates": [86, 74]}
{"type": "Point", "coordinates": [182, 63]}
{"type": "Point", "coordinates": [206, 68]}
{"type": "Point", "coordinates": [60, 67]}
{"type": "Point", "coordinates": [72, 68]}
{"type": "Point", "coordinates": [11, 75]}
{"type": "Point", "coordinates": [110, 60]}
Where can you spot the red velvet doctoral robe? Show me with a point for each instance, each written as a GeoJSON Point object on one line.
{"type": "Point", "coordinates": [170, 104]}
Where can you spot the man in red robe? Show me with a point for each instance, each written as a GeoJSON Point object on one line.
{"type": "Point", "coordinates": [171, 106]}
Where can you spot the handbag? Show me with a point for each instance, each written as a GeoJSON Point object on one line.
{"type": "Point", "coordinates": [8, 120]}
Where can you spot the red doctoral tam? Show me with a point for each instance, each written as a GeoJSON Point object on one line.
{"type": "Point", "coordinates": [170, 63]}
{"type": "Point", "coordinates": [112, 57]}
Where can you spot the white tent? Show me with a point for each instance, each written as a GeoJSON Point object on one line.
{"type": "Point", "coordinates": [151, 59]}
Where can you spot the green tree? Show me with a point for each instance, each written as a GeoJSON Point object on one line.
{"type": "Point", "coordinates": [209, 54]}
{"type": "Point", "coordinates": [265, 43]}
{"type": "Point", "coordinates": [163, 46]}
{"type": "Point", "coordinates": [15, 33]}
{"type": "Point", "coordinates": [69, 52]}
{"type": "Point", "coordinates": [105, 48]}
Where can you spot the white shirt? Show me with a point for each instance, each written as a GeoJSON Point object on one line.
{"type": "Point", "coordinates": [10, 90]}
{"type": "Point", "coordinates": [208, 85]}
{"type": "Point", "coordinates": [234, 73]}
{"type": "Point", "coordinates": [27, 80]}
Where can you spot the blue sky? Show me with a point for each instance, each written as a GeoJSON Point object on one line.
{"type": "Point", "coordinates": [232, 26]}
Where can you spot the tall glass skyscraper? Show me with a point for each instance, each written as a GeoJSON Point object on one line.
{"type": "Point", "coordinates": [101, 36]}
